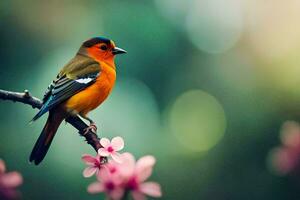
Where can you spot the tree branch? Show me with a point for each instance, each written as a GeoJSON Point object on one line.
{"type": "Point", "coordinates": [26, 98]}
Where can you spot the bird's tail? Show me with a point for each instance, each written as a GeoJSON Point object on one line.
{"type": "Point", "coordinates": [43, 143]}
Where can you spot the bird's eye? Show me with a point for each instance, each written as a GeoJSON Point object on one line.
{"type": "Point", "coordinates": [103, 47]}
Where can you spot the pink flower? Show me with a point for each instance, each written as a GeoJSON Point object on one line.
{"type": "Point", "coordinates": [111, 148]}
{"type": "Point", "coordinates": [135, 173]}
{"type": "Point", "coordinates": [107, 183]}
{"type": "Point", "coordinates": [286, 158]}
{"type": "Point", "coordinates": [8, 182]}
{"type": "Point", "coordinates": [113, 167]}
{"type": "Point", "coordinates": [116, 179]}
{"type": "Point", "coordinates": [94, 165]}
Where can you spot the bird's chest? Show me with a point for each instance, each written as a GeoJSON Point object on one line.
{"type": "Point", "coordinates": [103, 86]}
{"type": "Point", "coordinates": [95, 94]}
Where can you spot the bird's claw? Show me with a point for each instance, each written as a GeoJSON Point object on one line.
{"type": "Point", "coordinates": [92, 127]}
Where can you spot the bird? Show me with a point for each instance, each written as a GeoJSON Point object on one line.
{"type": "Point", "coordinates": [81, 86]}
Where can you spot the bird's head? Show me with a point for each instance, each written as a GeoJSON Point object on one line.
{"type": "Point", "coordinates": [101, 49]}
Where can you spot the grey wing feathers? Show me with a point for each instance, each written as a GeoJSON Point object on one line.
{"type": "Point", "coordinates": [68, 84]}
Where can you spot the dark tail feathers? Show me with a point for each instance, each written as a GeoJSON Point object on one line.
{"type": "Point", "coordinates": [43, 143]}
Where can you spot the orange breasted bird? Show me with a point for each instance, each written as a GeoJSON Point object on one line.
{"type": "Point", "coordinates": [81, 86]}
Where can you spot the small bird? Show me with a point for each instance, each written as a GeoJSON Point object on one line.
{"type": "Point", "coordinates": [81, 86]}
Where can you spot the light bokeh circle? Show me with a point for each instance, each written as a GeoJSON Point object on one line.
{"type": "Point", "coordinates": [174, 11]}
{"type": "Point", "coordinates": [273, 28]}
{"type": "Point", "coordinates": [197, 120]}
{"type": "Point", "coordinates": [214, 26]}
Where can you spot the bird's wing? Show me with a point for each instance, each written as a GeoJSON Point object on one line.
{"type": "Point", "coordinates": [78, 74]}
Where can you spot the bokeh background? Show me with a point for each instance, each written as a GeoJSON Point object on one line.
{"type": "Point", "coordinates": [205, 87]}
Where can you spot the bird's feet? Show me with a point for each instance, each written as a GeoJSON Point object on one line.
{"type": "Point", "coordinates": [92, 127]}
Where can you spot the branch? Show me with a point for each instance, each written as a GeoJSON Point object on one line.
{"type": "Point", "coordinates": [26, 98]}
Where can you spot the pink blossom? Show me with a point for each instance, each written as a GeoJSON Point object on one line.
{"type": "Point", "coordinates": [111, 148]}
{"type": "Point", "coordinates": [8, 182]}
{"type": "Point", "coordinates": [284, 160]}
{"type": "Point", "coordinates": [94, 165]}
{"type": "Point", "coordinates": [286, 157]}
{"type": "Point", "coordinates": [113, 167]}
{"type": "Point", "coordinates": [135, 173]}
{"type": "Point", "coordinates": [115, 179]}
{"type": "Point", "coordinates": [107, 183]}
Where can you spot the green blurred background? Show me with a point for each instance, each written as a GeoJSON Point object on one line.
{"type": "Point", "coordinates": [205, 87]}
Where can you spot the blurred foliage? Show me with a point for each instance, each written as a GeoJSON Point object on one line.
{"type": "Point", "coordinates": [241, 56]}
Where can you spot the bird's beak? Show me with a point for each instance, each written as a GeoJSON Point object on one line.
{"type": "Point", "coordinates": [118, 50]}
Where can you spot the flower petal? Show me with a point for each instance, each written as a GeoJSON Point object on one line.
{"type": "Point", "coordinates": [117, 157]}
{"type": "Point", "coordinates": [144, 167]}
{"type": "Point", "coordinates": [146, 161]}
{"type": "Point", "coordinates": [104, 175]}
{"type": "Point", "coordinates": [117, 143]}
{"type": "Point", "coordinates": [116, 194]}
{"type": "Point", "coordinates": [11, 179]}
{"type": "Point", "coordinates": [95, 187]}
{"type": "Point", "coordinates": [2, 166]}
{"type": "Point", "coordinates": [144, 174]}
{"type": "Point", "coordinates": [112, 166]}
{"type": "Point", "coordinates": [88, 159]}
{"type": "Point", "coordinates": [151, 189]}
{"type": "Point", "coordinates": [89, 171]}
{"type": "Point", "coordinates": [103, 152]}
{"type": "Point", "coordinates": [138, 195]}
{"type": "Point", "coordinates": [104, 142]}
{"type": "Point", "coordinates": [128, 165]}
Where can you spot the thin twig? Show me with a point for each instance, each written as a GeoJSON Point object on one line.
{"type": "Point", "coordinates": [23, 97]}
{"type": "Point", "coordinates": [26, 98]}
